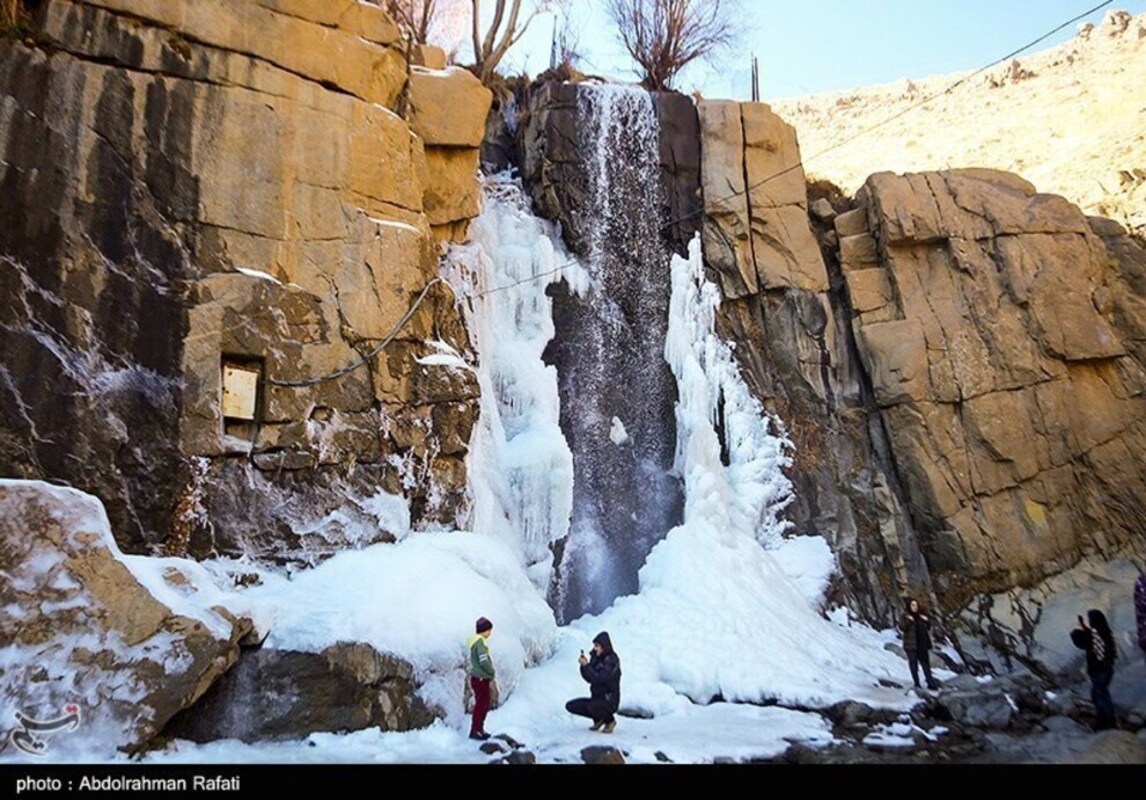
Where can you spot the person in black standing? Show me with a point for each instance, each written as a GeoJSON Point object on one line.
{"type": "Point", "coordinates": [602, 670]}
{"type": "Point", "coordinates": [916, 629]}
{"type": "Point", "coordinates": [1098, 642]}
{"type": "Point", "coordinates": [1140, 610]}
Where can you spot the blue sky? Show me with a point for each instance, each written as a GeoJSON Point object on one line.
{"type": "Point", "coordinates": [811, 46]}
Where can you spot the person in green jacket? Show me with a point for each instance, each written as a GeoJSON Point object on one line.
{"type": "Point", "coordinates": [481, 675]}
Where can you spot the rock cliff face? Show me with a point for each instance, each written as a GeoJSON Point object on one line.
{"type": "Point", "coordinates": [959, 368]}
{"type": "Point", "coordinates": [595, 160]}
{"type": "Point", "coordinates": [1001, 330]}
{"type": "Point", "coordinates": [958, 361]}
{"type": "Point", "coordinates": [788, 317]}
{"type": "Point", "coordinates": [219, 313]}
{"type": "Point", "coordinates": [197, 192]}
{"type": "Point", "coordinates": [957, 358]}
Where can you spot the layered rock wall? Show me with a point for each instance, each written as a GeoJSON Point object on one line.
{"type": "Point", "coordinates": [957, 361]}
{"type": "Point", "coordinates": [192, 186]}
{"type": "Point", "coordinates": [1001, 330]}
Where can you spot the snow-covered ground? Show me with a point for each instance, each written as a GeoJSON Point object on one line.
{"type": "Point", "coordinates": [417, 598]}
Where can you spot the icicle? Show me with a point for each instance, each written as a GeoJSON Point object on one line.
{"type": "Point", "coordinates": [521, 469]}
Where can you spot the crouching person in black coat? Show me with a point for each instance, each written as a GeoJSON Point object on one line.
{"type": "Point", "coordinates": [603, 672]}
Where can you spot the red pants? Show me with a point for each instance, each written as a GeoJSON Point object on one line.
{"type": "Point", "coordinates": [481, 703]}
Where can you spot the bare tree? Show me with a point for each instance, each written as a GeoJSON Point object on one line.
{"type": "Point", "coordinates": [503, 32]}
{"type": "Point", "coordinates": [438, 22]}
{"type": "Point", "coordinates": [565, 49]}
{"type": "Point", "coordinates": [665, 36]}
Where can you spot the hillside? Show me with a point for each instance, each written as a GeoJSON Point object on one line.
{"type": "Point", "coordinates": [1071, 119]}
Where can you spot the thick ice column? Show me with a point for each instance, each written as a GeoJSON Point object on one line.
{"type": "Point", "coordinates": [521, 469]}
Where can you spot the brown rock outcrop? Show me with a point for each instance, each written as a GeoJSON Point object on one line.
{"type": "Point", "coordinates": [448, 110]}
{"type": "Point", "coordinates": [426, 55]}
{"type": "Point", "coordinates": [191, 185]}
{"type": "Point", "coordinates": [286, 694]}
{"type": "Point", "coordinates": [81, 628]}
{"type": "Point", "coordinates": [297, 36]}
{"type": "Point", "coordinates": [756, 197]}
{"type": "Point", "coordinates": [1001, 333]}
{"type": "Point", "coordinates": [966, 397]}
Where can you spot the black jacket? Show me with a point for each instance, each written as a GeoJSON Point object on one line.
{"type": "Point", "coordinates": [603, 672]}
{"type": "Point", "coordinates": [1099, 647]}
{"type": "Point", "coordinates": [916, 633]}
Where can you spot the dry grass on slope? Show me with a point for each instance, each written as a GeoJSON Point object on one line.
{"type": "Point", "coordinates": [1070, 119]}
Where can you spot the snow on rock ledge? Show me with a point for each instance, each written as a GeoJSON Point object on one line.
{"type": "Point", "coordinates": [129, 640]}
{"type": "Point", "coordinates": [375, 638]}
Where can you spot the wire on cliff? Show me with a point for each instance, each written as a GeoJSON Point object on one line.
{"type": "Point", "coordinates": [366, 359]}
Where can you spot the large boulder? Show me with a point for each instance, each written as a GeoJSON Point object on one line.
{"type": "Point", "coordinates": [980, 709]}
{"type": "Point", "coordinates": [283, 694]}
{"type": "Point", "coordinates": [125, 642]}
{"type": "Point", "coordinates": [1112, 747]}
{"type": "Point", "coordinates": [448, 108]}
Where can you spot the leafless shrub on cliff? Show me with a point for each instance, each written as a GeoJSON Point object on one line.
{"type": "Point", "coordinates": [445, 23]}
{"type": "Point", "coordinates": [438, 22]}
{"type": "Point", "coordinates": [413, 17]}
{"type": "Point", "coordinates": [665, 36]}
{"type": "Point", "coordinates": [505, 28]}
{"type": "Point", "coordinates": [820, 187]}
